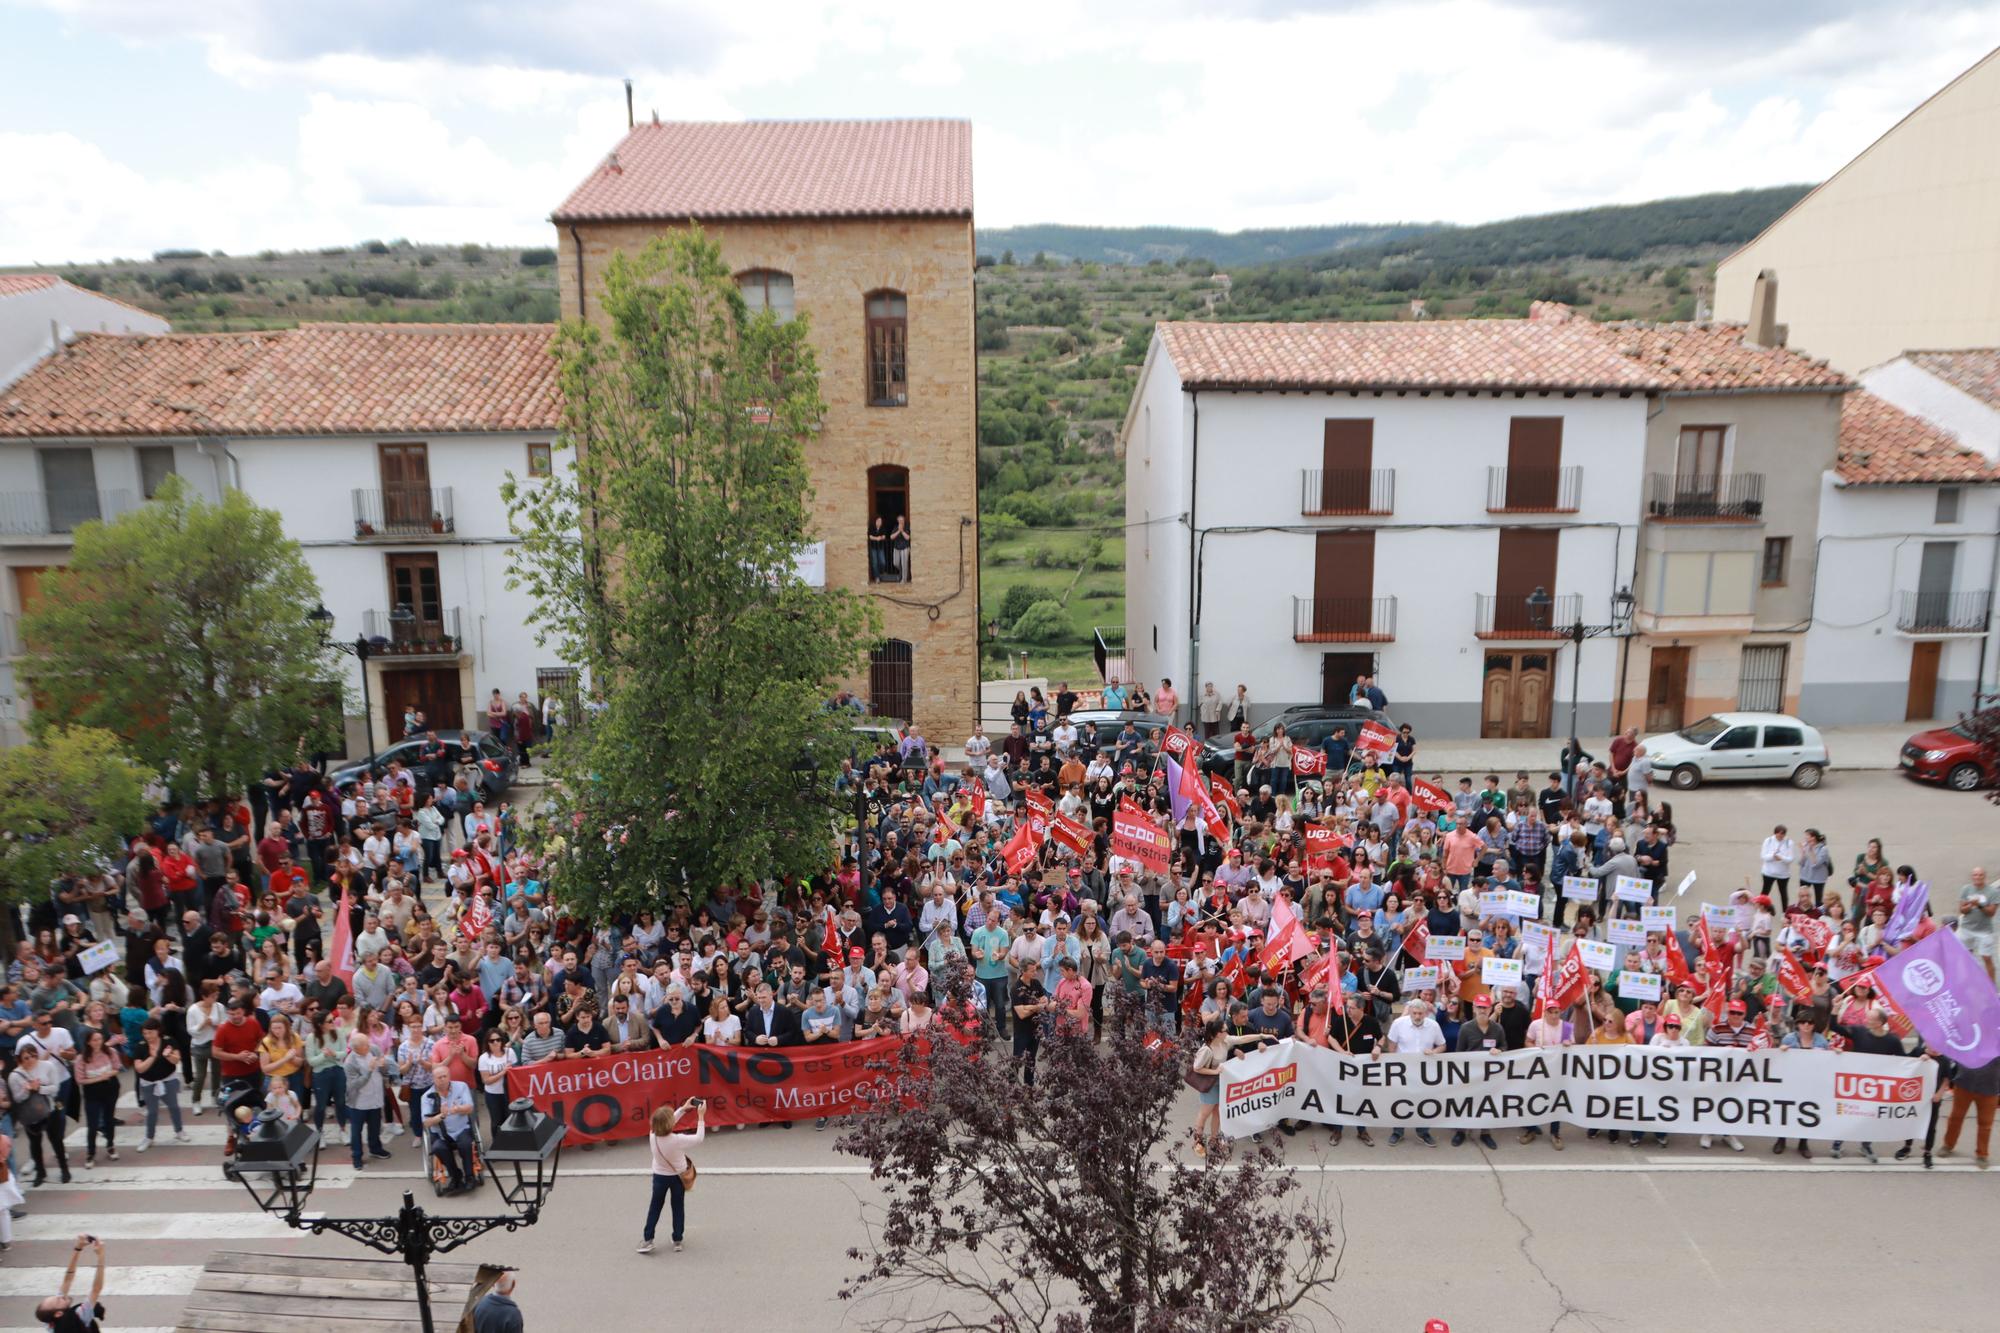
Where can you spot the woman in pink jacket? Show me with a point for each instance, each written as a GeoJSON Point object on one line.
{"type": "Point", "coordinates": [670, 1158]}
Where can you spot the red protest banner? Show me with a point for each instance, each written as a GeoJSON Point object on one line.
{"type": "Point", "coordinates": [1225, 796]}
{"type": "Point", "coordinates": [476, 919]}
{"type": "Point", "coordinates": [1038, 801]}
{"type": "Point", "coordinates": [1019, 851]}
{"type": "Point", "coordinates": [1069, 833]}
{"type": "Point", "coordinates": [1307, 762]}
{"type": "Point", "coordinates": [1677, 963]}
{"type": "Point", "coordinates": [1566, 980]}
{"type": "Point", "coordinates": [1135, 836]}
{"type": "Point", "coordinates": [1429, 797]}
{"type": "Point", "coordinates": [612, 1096]}
{"type": "Point", "coordinates": [1793, 978]}
{"type": "Point", "coordinates": [1321, 840]}
{"type": "Point", "coordinates": [1375, 739]}
{"type": "Point", "coordinates": [1176, 744]}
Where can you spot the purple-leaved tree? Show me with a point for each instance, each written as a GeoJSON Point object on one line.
{"type": "Point", "coordinates": [1072, 1204]}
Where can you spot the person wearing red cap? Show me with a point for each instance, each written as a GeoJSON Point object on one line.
{"type": "Point", "coordinates": [1483, 1035]}
{"type": "Point", "coordinates": [1733, 1030]}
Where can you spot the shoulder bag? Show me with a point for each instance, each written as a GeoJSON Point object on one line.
{"type": "Point", "coordinates": [687, 1177]}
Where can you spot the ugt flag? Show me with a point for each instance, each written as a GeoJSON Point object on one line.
{"type": "Point", "coordinates": [1946, 993]}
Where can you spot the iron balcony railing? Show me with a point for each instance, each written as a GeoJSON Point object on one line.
{"type": "Point", "coordinates": [1343, 619]}
{"type": "Point", "coordinates": [412, 635]}
{"type": "Point", "coordinates": [1510, 617]}
{"type": "Point", "coordinates": [1738, 496]}
{"type": "Point", "coordinates": [52, 513]}
{"type": "Point", "coordinates": [403, 512]}
{"type": "Point", "coordinates": [1533, 490]}
{"type": "Point", "coordinates": [1943, 612]}
{"type": "Point", "coordinates": [1325, 491]}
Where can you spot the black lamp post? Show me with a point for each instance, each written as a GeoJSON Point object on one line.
{"type": "Point", "coordinates": [360, 650]}
{"type": "Point", "coordinates": [279, 1164]}
{"type": "Point", "coordinates": [1540, 609]}
{"type": "Point", "coordinates": [805, 779]}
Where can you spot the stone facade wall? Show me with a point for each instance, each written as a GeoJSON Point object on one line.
{"type": "Point", "coordinates": [834, 264]}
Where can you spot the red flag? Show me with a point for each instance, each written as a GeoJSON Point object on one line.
{"type": "Point", "coordinates": [829, 944]}
{"type": "Point", "coordinates": [1286, 938]}
{"type": "Point", "coordinates": [1308, 762]}
{"type": "Point", "coordinates": [1818, 934]}
{"type": "Point", "coordinates": [1196, 791]}
{"type": "Point", "coordinates": [1760, 1033]}
{"type": "Point", "coordinates": [477, 917]}
{"type": "Point", "coordinates": [1019, 852]}
{"type": "Point", "coordinates": [976, 791]}
{"type": "Point", "coordinates": [1792, 977]}
{"type": "Point", "coordinates": [1320, 840]}
{"type": "Point", "coordinates": [1677, 963]}
{"type": "Point", "coordinates": [1375, 739]}
{"type": "Point", "coordinates": [1225, 796]}
{"type": "Point", "coordinates": [341, 952]}
{"type": "Point", "coordinates": [1428, 796]}
{"type": "Point", "coordinates": [1136, 837]}
{"type": "Point", "coordinates": [1176, 744]}
{"type": "Point", "coordinates": [1038, 801]}
{"type": "Point", "coordinates": [1069, 833]}
{"type": "Point", "coordinates": [1566, 981]}
{"type": "Point", "coordinates": [1418, 942]}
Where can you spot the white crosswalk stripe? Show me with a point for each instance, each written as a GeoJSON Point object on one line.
{"type": "Point", "coordinates": [149, 1226]}
{"type": "Point", "coordinates": [127, 1174]}
{"type": "Point", "coordinates": [123, 1280]}
{"type": "Point", "coordinates": [210, 1135]}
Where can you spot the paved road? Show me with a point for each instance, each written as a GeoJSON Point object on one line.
{"type": "Point", "coordinates": [1670, 1239]}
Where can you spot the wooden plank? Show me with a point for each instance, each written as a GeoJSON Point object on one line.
{"type": "Point", "coordinates": [323, 1288]}
{"type": "Point", "coordinates": [300, 1265]}
{"type": "Point", "coordinates": [228, 1321]}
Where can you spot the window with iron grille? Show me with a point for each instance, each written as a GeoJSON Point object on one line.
{"type": "Point", "coordinates": [1761, 687]}
{"type": "Point", "coordinates": [888, 349]}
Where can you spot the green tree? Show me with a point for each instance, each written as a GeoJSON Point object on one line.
{"type": "Point", "coordinates": [66, 799]}
{"type": "Point", "coordinates": [687, 421]}
{"type": "Point", "coordinates": [1018, 599]}
{"type": "Point", "coordinates": [1044, 622]}
{"type": "Point", "coordinates": [181, 628]}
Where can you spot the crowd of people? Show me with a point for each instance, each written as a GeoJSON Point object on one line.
{"type": "Point", "coordinates": [197, 971]}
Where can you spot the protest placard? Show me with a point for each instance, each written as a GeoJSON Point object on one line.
{"type": "Point", "coordinates": [98, 957]}
{"type": "Point", "coordinates": [1720, 916]}
{"type": "Point", "coordinates": [1638, 986]}
{"type": "Point", "coordinates": [1598, 956]}
{"type": "Point", "coordinates": [1632, 889]}
{"type": "Point", "coordinates": [1493, 903]}
{"type": "Point", "coordinates": [1623, 930]}
{"type": "Point", "coordinates": [1580, 889]}
{"type": "Point", "coordinates": [1445, 948]}
{"type": "Point", "coordinates": [1419, 978]}
{"type": "Point", "coordinates": [1657, 918]}
{"type": "Point", "coordinates": [1522, 903]}
{"type": "Point", "coordinates": [1501, 972]}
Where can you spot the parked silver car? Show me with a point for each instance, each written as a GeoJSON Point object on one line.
{"type": "Point", "coordinates": [1725, 747]}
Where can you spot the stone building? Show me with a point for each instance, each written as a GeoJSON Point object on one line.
{"type": "Point", "coordinates": [864, 228]}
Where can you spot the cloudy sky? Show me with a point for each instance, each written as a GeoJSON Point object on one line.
{"type": "Point", "coordinates": [128, 126]}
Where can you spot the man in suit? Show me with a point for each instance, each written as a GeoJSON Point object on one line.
{"type": "Point", "coordinates": [627, 1027]}
{"type": "Point", "coordinates": [768, 1023]}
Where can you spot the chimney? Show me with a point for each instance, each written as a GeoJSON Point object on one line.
{"type": "Point", "coordinates": [1763, 330]}
{"type": "Point", "coordinates": [628, 104]}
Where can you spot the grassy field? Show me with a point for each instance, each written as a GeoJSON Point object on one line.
{"type": "Point", "coordinates": [1090, 596]}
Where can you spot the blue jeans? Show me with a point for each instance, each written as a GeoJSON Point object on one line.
{"type": "Point", "coordinates": [664, 1188]}
{"type": "Point", "coordinates": [167, 1093]}
{"type": "Point", "coordinates": [371, 1121]}
{"type": "Point", "coordinates": [329, 1087]}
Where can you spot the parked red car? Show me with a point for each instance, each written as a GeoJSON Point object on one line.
{"type": "Point", "coordinates": [1949, 755]}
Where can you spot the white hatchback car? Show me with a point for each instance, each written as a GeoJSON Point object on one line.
{"type": "Point", "coordinates": [1737, 746]}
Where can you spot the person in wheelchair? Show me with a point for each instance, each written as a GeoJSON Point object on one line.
{"type": "Point", "coordinates": [447, 1114]}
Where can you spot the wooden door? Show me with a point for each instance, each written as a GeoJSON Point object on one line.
{"type": "Point", "coordinates": [406, 485]}
{"type": "Point", "coordinates": [1534, 462]}
{"type": "Point", "coordinates": [1921, 705]}
{"type": "Point", "coordinates": [1343, 582]}
{"type": "Point", "coordinates": [1337, 672]}
{"type": "Point", "coordinates": [1666, 689]}
{"type": "Point", "coordinates": [433, 691]}
{"type": "Point", "coordinates": [1526, 561]}
{"type": "Point", "coordinates": [1496, 696]}
{"type": "Point", "coordinates": [1347, 457]}
{"type": "Point", "coordinates": [1534, 690]}
{"type": "Point", "coordinates": [413, 582]}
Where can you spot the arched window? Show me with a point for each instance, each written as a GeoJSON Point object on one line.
{"type": "Point", "coordinates": [767, 289]}
{"type": "Point", "coordinates": [888, 524]}
{"type": "Point", "coordinates": [888, 349]}
{"type": "Point", "coordinates": [889, 677]}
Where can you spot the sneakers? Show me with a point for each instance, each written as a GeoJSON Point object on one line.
{"type": "Point", "coordinates": [1836, 1150]}
{"type": "Point", "coordinates": [1903, 1153]}
{"type": "Point", "coordinates": [1530, 1135]}
{"type": "Point", "coordinates": [1868, 1151]}
{"type": "Point", "coordinates": [89, 1161]}
{"type": "Point", "coordinates": [1556, 1142]}
{"type": "Point", "coordinates": [380, 1152]}
{"type": "Point", "coordinates": [144, 1144]}
{"type": "Point", "coordinates": [645, 1247]}
{"type": "Point", "coordinates": [198, 1108]}
{"type": "Point", "coordinates": [820, 1123]}
{"type": "Point", "coordinates": [1336, 1133]}
{"type": "Point", "coordinates": [1424, 1137]}
{"type": "Point", "coordinates": [1778, 1148]}
{"type": "Point", "coordinates": [1395, 1137]}
{"type": "Point", "coordinates": [1707, 1141]}
{"type": "Point", "coordinates": [181, 1136]}
{"type": "Point", "coordinates": [1486, 1141]}
{"type": "Point", "coordinates": [112, 1153]}
{"type": "Point", "coordinates": [1735, 1144]}
{"type": "Point", "coordinates": [1367, 1139]}
{"type": "Point", "coordinates": [1458, 1139]}
{"type": "Point", "coordinates": [677, 1247]}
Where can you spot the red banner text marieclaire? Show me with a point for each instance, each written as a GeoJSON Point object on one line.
{"type": "Point", "coordinates": [613, 1096]}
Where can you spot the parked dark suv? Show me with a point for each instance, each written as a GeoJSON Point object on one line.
{"type": "Point", "coordinates": [496, 763]}
{"type": "Point", "coordinates": [1306, 724]}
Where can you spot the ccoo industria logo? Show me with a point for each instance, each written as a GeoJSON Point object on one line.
{"type": "Point", "coordinates": [1265, 1090]}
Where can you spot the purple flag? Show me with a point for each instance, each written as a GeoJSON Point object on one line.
{"type": "Point", "coordinates": [1946, 993]}
{"type": "Point", "coordinates": [1910, 907]}
{"type": "Point", "coordinates": [1176, 802]}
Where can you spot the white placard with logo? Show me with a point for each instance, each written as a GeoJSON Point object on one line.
{"type": "Point", "coordinates": [1598, 956]}
{"type": "Point", "coordinates": [1632, 889]}
{"type": "Point", "coordinates": [1444, 948]}
{"type": "Point", "coordinates": [1493, 903]}
{"type": "Point", "coordinates": [1501, 972]}
{"type": "Point", "coordinates": [1420, 978]}
{"type": "Point", "coordinates": [98, 957]}
{"type": "Point", "coordinates": [1622, 930]}
{"type": "Point", "coordinates": [1521, 903]}
{"type": "Point", "coordinates": [1720, 916]}
{"type": "Point", "coordinates": [1580, 889]}
{"type": "Point", "coordinates": [1638, 986]}
{"type": "Point", "coordinates": [1658, 918]}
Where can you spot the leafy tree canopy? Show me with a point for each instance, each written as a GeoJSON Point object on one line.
{"type": "Point", "coordinates": [66, 799]}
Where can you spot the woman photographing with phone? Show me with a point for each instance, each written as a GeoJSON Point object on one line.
{"type": "Point", "coordinates": [673, 1172]}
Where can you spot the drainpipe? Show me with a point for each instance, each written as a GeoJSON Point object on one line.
{"type": "Point", "coordinates": [576, 239]}
{"type": "Point", "coordinates": [1194, 559]}
{"type": "Point", "coordinates": [1979, 690]}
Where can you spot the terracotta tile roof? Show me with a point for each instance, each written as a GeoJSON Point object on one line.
{"type": "Point", "coordinates": [1882, 445]}
{"type": "Point", "coordinates": [781, 169]}
{"type": "Point", "coordinates": [13, 284]}
{"type": "Point", "coordinates": [1974, 370]}
{"type": "Point", "coordinates": [1440, 354]}
{"type": "Point", "coordinates": [1698, 358]}
{"type": "Point", "coordinates": [321, 379]}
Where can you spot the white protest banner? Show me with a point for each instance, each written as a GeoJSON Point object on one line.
{"type": "Point", "coordinates": [1638, 985]}
{"type": "Point", "coordinates": [1597, 955]}
{"type": "Point", "coordinates": [1501, 972]}
{"type": "Point", "coordinates": [98, 956]}
{"type": "Point", "coordinates": [1419, 978]}
{"type": "Point", "coordinates": [1493, 904]}
{"type": "Point", "coordinates": [1692, 1090]}
{"type": "Point", "coordinates": [1687, 882]}
{"type": "Point", "coordinates": [1658, 918]}
{"type": "Point", "coordinates": [1624, 930]}
{"type": "Point", "coordinates": [1444, 948]}
{"type": "Point", "coordinates": [1522, 903]}
{"type": "Point", "coordinates": [1632, 889]}
{"type": "Point", "coordinates": [1580, 889]}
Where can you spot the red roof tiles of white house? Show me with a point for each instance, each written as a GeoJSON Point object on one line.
{"type": "Point", "coordinates": [1882, 445]}
{"type": "Point", "coordinates": [780, 169]}
{"type": "Point", "coordinates": [13, 284]}
{"type": "Point", "coordinates": [321, 379]}
{"type": "Point", "coordinates": [1974, 370]}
